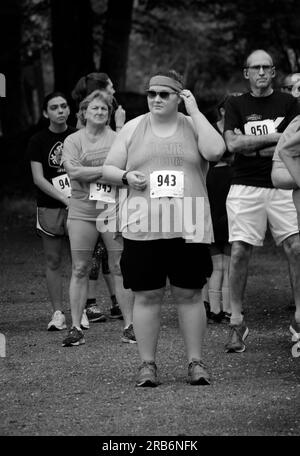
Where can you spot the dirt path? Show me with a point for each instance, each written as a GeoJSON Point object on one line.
{"type": "Point", "coordinates": [50, 390]}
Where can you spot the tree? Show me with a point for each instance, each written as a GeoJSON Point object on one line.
{"type": "Point", "coordinates": [10, 65]}
{"type": "Point", "coordinates": [72, 40]}
{"type": "Point", "coordinates": [115, 44]}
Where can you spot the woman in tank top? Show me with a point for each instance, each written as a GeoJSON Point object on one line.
{"type": "Point", "coordinates": [163, 157]}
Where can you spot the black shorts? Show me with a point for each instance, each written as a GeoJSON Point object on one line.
{"type": "Point", "coordinates": [145, 265]}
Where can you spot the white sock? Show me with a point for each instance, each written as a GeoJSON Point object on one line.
{"type": "Point", "coordinates": [215, 300]}
{"type": "Point", "coordinates": [226, 300]}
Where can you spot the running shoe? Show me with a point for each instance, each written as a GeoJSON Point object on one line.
{"type": "Point", "coordinates": [128, 335]}
{"type": "Point", "coordinates": [75, 337]}
{"type": "Point", "coordinates": [147, 375]}
{"type": "Point", "coordinates": [237, 336]}
{"type": "Point", "coordinates": [85, 324]}
{"type": "Point", "coordinates": [94, 314]}
{"type": "Point", "coordinates": [58, 322]}
{"type": "Point", "coordinates": [115, 313]}
{"type": "Point", "coordinates": [214, 318]}
{"type": "Point", "coordinates": [295, 330]}
{"type": "Point", "coordinates": [197, 373]}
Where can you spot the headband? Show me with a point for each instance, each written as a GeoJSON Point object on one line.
{"type": "Point", "coordinates": [166, 81]}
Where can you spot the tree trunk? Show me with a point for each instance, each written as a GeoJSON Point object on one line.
{"type": "Point", "coordinates": [11, 117]}
{"type": "Point", "coordinates": [116, 41]}
{"type": "Point", "coordinates": [72, 39]}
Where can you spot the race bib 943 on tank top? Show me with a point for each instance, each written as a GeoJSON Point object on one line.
{"type": "Point", "coordinates": [174, 202]}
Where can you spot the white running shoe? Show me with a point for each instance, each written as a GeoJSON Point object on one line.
{"type": "Point", "coordinates": [58, 322]}
{"type": "Point", "coordinates": [85, 324]}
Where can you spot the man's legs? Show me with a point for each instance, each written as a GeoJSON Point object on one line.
{"type": "Point", "coordinates": [238, 273]}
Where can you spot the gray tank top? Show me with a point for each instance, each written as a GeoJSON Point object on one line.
{"type": "Point", "coordinates": [171, 164]}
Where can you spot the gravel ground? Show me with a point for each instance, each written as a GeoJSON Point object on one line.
{"type": "Point", "coordinates": [49, 390]}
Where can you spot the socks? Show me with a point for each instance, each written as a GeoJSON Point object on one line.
{"type": "Point", "coordinates": [226, 300]}
{"type": "Point", "coordinates": [90, 302]}
{"type": "Point", "coordinates": [236, 320]}
{"type": "Point", "coordinates": [215, 301]}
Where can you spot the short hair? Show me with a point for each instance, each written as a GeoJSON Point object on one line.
{"type": "Point", "coordinates": [97, 94]}
{"type": "Point", "coordinates": [88, 84]}
{"type": "Point", "coordinates": [245, 65]}
{"type": "Point", "coordinates": [53, 95]}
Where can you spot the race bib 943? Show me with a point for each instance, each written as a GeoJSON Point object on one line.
{"type": "Point", "coordinates": [62, 184]}
{"type": "Point", "coordinates": [167, 183]}
{"type": "Point", "coordinates": [260, 127]}
{"type": "Point", "coordinates": [102, 192]}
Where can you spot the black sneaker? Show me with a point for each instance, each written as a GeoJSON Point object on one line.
{"type": "Point", "coordinates": [115, 313]}
{"type": "Point", "coordinates": [215, 318]}
{"type": "Point", "coordinates": [94, 314]}
{"type": "Point", "coordinates": [75, 337]}
{"type": "Point", "coordinates": [128, 335]}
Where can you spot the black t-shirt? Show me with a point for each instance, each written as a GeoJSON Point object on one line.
{"type": "Point", "coordinates": [46, 147]}
{"type": "Point", "coordinates": [247, 111]}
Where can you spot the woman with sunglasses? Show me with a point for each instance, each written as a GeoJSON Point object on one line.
{"type": "Point", "coordinates": [162, 157]}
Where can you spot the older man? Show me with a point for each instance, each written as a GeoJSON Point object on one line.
{"type": "Point", "coordinates": [253, 125]}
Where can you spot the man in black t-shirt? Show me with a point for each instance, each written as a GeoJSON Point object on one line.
{"type": "Point", "coordinates": [254, 122]}
{"type": "Point", "coordinates": [53, 189]}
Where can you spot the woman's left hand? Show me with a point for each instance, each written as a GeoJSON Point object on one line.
{"type": "Point", "coordinates": [189, 101]}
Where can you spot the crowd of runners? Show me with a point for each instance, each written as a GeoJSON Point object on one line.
{"type": "Point", "coordinates": [168, 199]}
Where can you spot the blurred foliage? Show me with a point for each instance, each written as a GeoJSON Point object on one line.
{"type": "Point", "coordinates": [36, 35]}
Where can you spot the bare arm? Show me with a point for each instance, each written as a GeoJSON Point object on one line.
{"type": "Point", "coordinates": [281, 178]}
{"type": "Point", "coordinates": [210, 142]}
{"type": "Point", "coordinates": [41, 182]}
{"type": "Point", "coordinates": [292, 164]}
{"type": "Point", "coordinates": [116, 160]}
{"type": "Point", "coordinates": [247, 144]}
{"type": "Point", "coordinates": [82, 173]}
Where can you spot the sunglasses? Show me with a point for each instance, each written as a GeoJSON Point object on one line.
{"type": "Point", "coordinates": [164, 95]}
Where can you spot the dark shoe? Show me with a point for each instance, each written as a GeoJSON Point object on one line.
{"type": "Point", "coordinates": [128, 335]}
{"type": "Point", "coordinates": [115, 313]}
{"type": "Point", "coordinates": [75, 337]}
{"type": "Point", "coordinates": [197, 373]}
{"type": "Point", "coordinates": [226, 316]}
{"type": "Point", "coordinates": [237, 336]}
{"type": "Point", "coordinates": [215, 318]}
{"type": "Point", "coordinates": [94, 314]}
{"type": "Point", "coordinates": [147, 375]}
{"type": "Point", "coordinates": [295, 330]}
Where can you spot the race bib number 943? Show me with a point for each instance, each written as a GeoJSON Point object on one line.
{"type": "Point", "coordinates": [62, 183]}
{"type": "Point", "coordinates": [167, 183]}
{"type": "Point", "coordinates": [260, 127]}
{"type": "Point", "coordinates": [102, 192]}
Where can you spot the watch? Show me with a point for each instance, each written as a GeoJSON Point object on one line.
{"type": "Point", "coordinates": [124, 178]}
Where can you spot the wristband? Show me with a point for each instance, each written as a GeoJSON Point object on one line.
{"type": "Point", "coordinates": [124, 178]}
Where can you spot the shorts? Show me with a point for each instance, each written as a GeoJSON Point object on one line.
{"type": "Point", "coordinates": [250, 208]}
{"type": "Point", "coordinates": [52, 221]}
{"type": "Point", "coordinates": [145, 265]}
